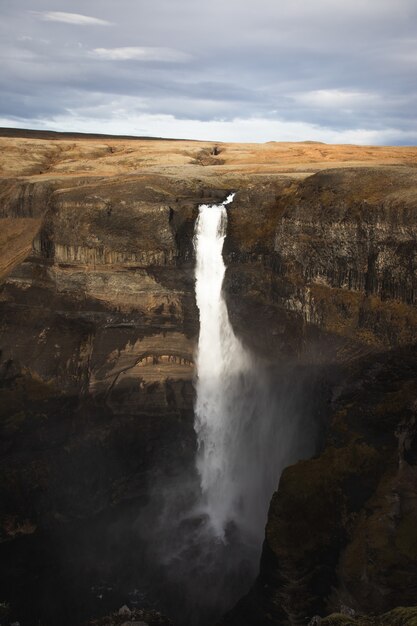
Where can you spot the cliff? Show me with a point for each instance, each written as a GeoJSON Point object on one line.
{"type": "Point", "coordinates": [337, 288]}
{"type": "Point", "coordinates": [98, 334]}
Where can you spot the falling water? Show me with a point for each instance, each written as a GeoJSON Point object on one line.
{"type": "Point", "coordinates": [225, 411]}
{"type": "Point", "coordinates": [220, 359]}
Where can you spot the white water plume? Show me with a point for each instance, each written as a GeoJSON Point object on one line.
{"type": "Point", "coordinates": [222, 367]}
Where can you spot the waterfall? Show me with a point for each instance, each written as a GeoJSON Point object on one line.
{"type": "Point", "coordinates": [204, 525]}
{"type": "Point", "coordinates": [222, 367]}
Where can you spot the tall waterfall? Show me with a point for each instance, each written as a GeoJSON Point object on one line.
{"type": "Point", "coordinates": [203, 530]}
{"type": "Point", "coordinates": [222, 367]}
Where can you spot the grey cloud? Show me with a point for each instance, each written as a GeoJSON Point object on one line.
{"type": "Point", "coordinates": [143, 53]}
{"type": "Point", "coordinates": [70, 18]}
{"type": "Point", "coordinates": [337, 65]}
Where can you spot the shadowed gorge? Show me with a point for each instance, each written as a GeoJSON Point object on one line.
{"type": "Point", "coordinates": [234, 447]}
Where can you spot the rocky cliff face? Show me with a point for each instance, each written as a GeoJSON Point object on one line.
{"type": "Point", "coordinates": [98, 335]}
{"type": "Point", "coordinates": [98, 332]}
{"type": "Point", "coordinates": [341, 264]}
{"type": "Point", "coordinates": [337, 253]}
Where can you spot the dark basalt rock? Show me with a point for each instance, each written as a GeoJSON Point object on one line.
{"type": "Point", "coordinates": [131, 617]}
{"type": "Point", "coordinates": [341, 526]}
{"type": "Point", "coordinates": [402, 616]}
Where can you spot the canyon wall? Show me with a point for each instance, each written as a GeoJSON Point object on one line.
{"type": "Point", "coordinates": [340, 264]}
{"type": "Point", "coordinates": [98, 331]}
{"type": "Point", "coordinates": [98, 335]}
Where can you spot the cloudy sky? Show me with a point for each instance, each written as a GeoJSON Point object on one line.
{"type": "Point", "coordinates": [233, 70]}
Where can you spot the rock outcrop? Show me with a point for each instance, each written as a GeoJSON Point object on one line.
{"type": "Point", "coordinates": [402, 616]}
